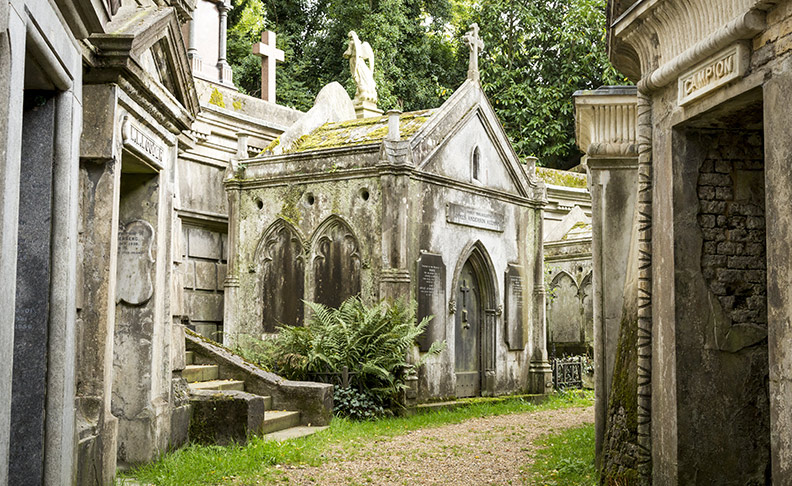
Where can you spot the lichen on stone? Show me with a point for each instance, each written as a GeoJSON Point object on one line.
{"type": "Point", "coordinates": [562, 178]}
{"type": "Point", "coordinates": [359, 131]}
{"type": "Point", "coordinates": [216, 98]}
{"type": "Point", "coordinates": [289, 210]}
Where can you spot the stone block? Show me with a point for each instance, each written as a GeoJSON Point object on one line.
{"type": "Point", "coordinates": [713, 260]}
{"type": "Point", "coordinates": [207, 330]}
{"type": "Point", "coordinates": [222, 270]}
{"type": "Point", "coordinates": [188, 274]}
{"type": "Point", "coordinates": [204, 306]}
{"type": "Point", "coordinates": [225, 417]}
{"type": "Point", "coordinates": [224, 244]}
{"type": "Point", "coordinates": [177, 347]}
{"type": "Point", "coordinates": [712, 207]}
{"type": "Point", "coordinates": [706, 192]}
{"type": "Point", "coordinates": [180, 425]}
{"type": "Point", "coordinates": [706, 220]}
{"type": "Point", "coordinates": [730, 248]}
{"type": "Point", "coordinates": [710, 179]}
{"type": "Point", "coordinates": [205, 275]}
{"type": "Point", "coordinates": [724, 193]}
{"type": "Point", "coordinates": [204, 244]}
{"type": "Point", "coordinates": [755, 222]}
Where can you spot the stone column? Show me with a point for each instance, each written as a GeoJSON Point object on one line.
{"type": "Point", "coordinates": [192, 48]}
{"type": "Point", "coordinates": [778, 193]}
{"type": "Point", "coordinates": [606, 132]}
{"type": "Point", "coordinates": [225, 70]}
{"type": "Point", "coordinates": [540, 372]}
{"type": "Point", "coordinates": [231, 282]}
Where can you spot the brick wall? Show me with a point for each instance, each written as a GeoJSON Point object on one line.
{"type": "Point", "coordinates": [732, 221]}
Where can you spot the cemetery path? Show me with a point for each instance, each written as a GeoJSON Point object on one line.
{"type": "Point", "coordinates": [479, 451]}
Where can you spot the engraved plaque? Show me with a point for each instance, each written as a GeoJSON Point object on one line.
{"type": "Point", "coordinates": [135, 262]}
{"type": "Point", "coordinates": [477, 218]}
{"type": "Point", "coordinates": [514, 308]}
{"type": "Point", "coordinates": [431, 296]}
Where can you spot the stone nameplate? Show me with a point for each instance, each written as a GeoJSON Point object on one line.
{"type": "Point", "coordinates": [135, 263]}
{"type": "Point", "coordinates": [478, 218]}
{"type": "Point", "coordinates": [715, 72]}
{"type": "Point", "coordinates": [513, 308]}
{"type": "Point", "coordinates": [431, 296]}
{"type": "Point", "coordinates": [142, 144]}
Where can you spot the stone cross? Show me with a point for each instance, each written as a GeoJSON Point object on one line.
{"type": "Point", "coordinates": [476, 44]}
{"type": "Point", "coordinates": [269, 55]}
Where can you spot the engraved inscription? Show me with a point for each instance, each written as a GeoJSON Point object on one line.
{"type": "Point", "coordinates": [713, 73]}
{"type": "Point", "coordinates": [514, 308]}
{"type": "Point", "coordinates": [431, 297]}
{"type": "Point", "coordinates": [139, 142]}
{"type": "Point", "coordinates": [135, 263]}
{"type": "Point", "coordinates": [478, 218]}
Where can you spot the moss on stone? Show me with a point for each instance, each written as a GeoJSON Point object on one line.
{"type": "Point", "coordinates": [271, 146]}
{"type": "Point", "coordinates": [237, 104]}
{"type": "Point", "coordinates": [358, 132]}
{"type": "Point", "coordinates": [562, 178]}
{"type": "Point", "coordinates": [290, 210]}
{"type": "Point", "coordinates": [216, 98]}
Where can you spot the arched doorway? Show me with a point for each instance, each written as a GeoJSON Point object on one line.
{"type": "Point", "coordinates": [468, 333]}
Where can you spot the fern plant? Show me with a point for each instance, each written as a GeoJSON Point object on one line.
{"type": "Point", "coordinates": [373, 342]}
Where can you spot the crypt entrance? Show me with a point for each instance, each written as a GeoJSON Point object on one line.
{"type": "Point", "coordinates": [474, 325]}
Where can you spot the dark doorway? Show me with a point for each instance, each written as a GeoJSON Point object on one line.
{"type": "Point", "coordinates": [468, 333]}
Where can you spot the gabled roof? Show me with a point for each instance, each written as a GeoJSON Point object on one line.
{"type": "Point", "coordinates": [144, 46]}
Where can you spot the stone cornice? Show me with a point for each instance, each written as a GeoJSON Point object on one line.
{"type": "Point", "coordinates": [606, 120]}
{"type": "Point", "coordinates": [670, 36]}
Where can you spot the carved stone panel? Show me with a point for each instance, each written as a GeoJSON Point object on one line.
{"type": "Point", "coordinates": [135, 263]}
{"type": "Point", "coordinates": [514, 308]}
{"type": "Point", "coordinates": [564, 313]}
{"type": "Point", "coordinates": [431, 296]}
{"type": "Point", "coordinates": [336, 265]}
{"type": "Point", "coordinates": [282, 279]}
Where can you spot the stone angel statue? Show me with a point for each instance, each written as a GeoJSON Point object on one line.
{"type": "Point", "coordinates": [361, 64]}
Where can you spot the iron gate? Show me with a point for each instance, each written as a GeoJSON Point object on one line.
{"type": "Point", "coordinates": [568, 373]}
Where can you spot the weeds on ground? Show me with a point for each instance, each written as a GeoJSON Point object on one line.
{"type": "Point", "coordinates": [564, 459]}
{"type": "Point", "coordinates": [258, 461]}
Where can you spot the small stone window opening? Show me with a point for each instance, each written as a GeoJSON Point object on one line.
{"type": "Point", "coordinates": [476, 165]}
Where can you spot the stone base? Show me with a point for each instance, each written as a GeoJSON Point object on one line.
{"type": "Point", "coordinates": [225, 417]}
{"type": "Point", "coordinates": [367, 109]}
{"type": "Point", "coordinates": [540, 377]}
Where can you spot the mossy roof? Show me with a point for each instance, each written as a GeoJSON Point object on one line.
{"type": "Point", "coordinates": [360, 131]}
{"type": "Point", "coordinates": [581, 229]}
{"type": "Point", "coordinates": [562, 177]}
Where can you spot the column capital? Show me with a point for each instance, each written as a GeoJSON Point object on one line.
{"type": "Point", "coordinates": [606, 121]}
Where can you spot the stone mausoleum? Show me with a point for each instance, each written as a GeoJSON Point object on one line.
{"type": "Point", "coordinates": [699, 178]}
{"type": "Point", "coordinates": [431, 205]}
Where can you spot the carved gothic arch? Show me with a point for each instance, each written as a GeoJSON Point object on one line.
{"type": "Point", "coordinates": [560, 275]}
{"type": "Point", "coordinates": [279, 261]}
{"type": "Point", "coordinates": [334, 248]}
{"type": "Point", "coordinates": [485, 271]}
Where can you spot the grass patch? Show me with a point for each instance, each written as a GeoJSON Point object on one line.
{"type": "Point", "coordinates": [255, 462]}
{"type": "Point", "coordinates": [565, 459]}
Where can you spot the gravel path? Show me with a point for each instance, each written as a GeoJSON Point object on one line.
{"type": "Point", "coordinates": [475, 452]}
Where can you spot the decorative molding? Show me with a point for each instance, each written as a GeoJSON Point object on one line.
{"type": "Point", "coordinates": [714, 73]}
{"type": "Point", "coordinates": [605, 122]}
{"type": "Point", "coordinates": [671, 36]}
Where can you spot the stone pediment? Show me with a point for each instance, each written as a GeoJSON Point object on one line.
{"type": "Point", "coordinates": [143, 51]}
{"type": "Point", "coordinates": [446, 146]}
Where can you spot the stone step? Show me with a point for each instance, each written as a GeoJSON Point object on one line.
{"type": "Point", "coordinates": [189, 357]}
{"type": "Point", "coordinates": [275, 420]}
{"type": "Point", "coordinates": [292, 433]}
{"type": "Point", "coordinates": [219, 385]}
{"type": "Point", "coordinates": [193, 373]}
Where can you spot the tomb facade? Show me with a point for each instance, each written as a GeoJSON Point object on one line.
{"type": "Point", "coordinates": [701, 367]}
{"type": "Point", "coordinates": [432, 206]}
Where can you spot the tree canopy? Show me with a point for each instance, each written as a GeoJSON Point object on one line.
{"type": "Point", "coordinates": [536, 55]}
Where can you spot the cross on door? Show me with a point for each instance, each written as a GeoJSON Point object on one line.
{"type": "Point", "coordinates": [269, 55]}
{"type": "Point", "coordinates": [465, 290]}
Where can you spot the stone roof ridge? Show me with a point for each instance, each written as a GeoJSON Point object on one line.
{"type": "Point", "coordinates": [574, 225]}
{"type": "Point", "coordinates": [563, 178]}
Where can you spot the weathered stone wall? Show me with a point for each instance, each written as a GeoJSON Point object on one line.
{"type": "Point", "coordinates": [731, 217]}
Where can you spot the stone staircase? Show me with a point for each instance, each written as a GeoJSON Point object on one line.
{"type": "Point", "coordinates": [225, 412]}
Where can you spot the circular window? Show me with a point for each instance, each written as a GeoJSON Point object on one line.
{"type": "Point", "coordinates": [310, 199]}
{"type": "Point", "coordinates": [259, 203]}
{"type": "Point", "coordinates": [364, 194]}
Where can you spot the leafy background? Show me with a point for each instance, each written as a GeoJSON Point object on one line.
{"type": "Point", "coordinates": [536, 55]}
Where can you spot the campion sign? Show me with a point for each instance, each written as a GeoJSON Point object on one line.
{"type": "Point", "coordinates": [715, 72]}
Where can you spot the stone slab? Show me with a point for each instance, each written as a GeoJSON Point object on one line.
{"type": "Point", "coordinates": [203, 243]}
{"type": "Point", "coordinates": [292, 433]}
{"type": "Point", "coordinates": [475, 217]}
{"type": "Point", "coordinates": [135, 262]}
{"type": "Point", "coordinates": [205, 275]}
{"type": "Point", "coordinates": [431, 296]}
{"type": "Point", "coordinates": [513, 308]}
{"type": "Point", "coordinates": [204, 307]}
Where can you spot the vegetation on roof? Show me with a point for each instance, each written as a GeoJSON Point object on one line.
{"type": "Point", "coordinates": [359, 131]}
{"type": "Point", "coordinates": [562, 178]}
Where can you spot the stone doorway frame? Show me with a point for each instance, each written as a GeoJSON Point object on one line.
{"type": "Point", "coordinates": [482, 265]}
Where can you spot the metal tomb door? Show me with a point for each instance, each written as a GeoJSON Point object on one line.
{"type": "Point", "coordinates": [468, 334]}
